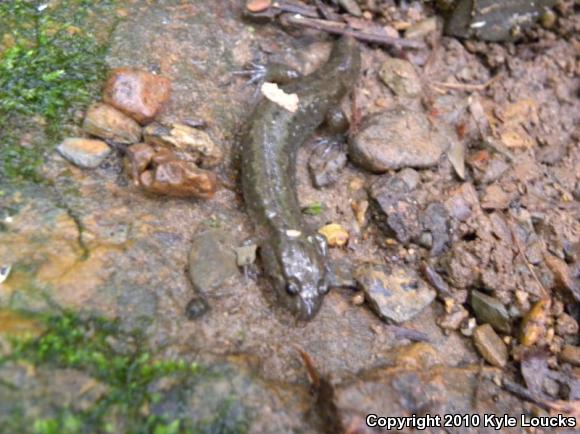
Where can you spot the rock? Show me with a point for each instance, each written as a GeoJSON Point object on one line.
{"type": "Point", "coordinates": [436, 221]}
{"type": "Point", "coordinates": [402, 389]}
{"type": "Point", "coordinates": [397, 138]}
{"type": "Point", "coordinates": [566, 325]}
{"type": "Point", "coordinates": [570, 354]}
{"type": "Point", "coordinates": [534, 323]}
{"type": "Point", "coordinates": [410, 177]}
{"type": "Point", "coordinates": [491, 20]}
{"type": "Point", "coordinates": [212, 260]}
{"type": "Point", "coordinates": [326, 163]}
{"type": "Point", "coordinates": [494, 197]}
{"type": "Point", "coordinates": [490, 346]}
{"type": "Point", "coordinates": [138, 159]}
{"type": "Point", "coordinates": [393, 209]}
{"type": "Point", "coordinates": [108, 123]}
{"type": "Point", "coordinates": [490, 310]}
{"type": "Point", "coordinates": [423, 28]}
{"type": "Point", "coordinates": [179, 178]}
{"type": "Point", "coordinates": [335, 234]}
{"type": "Point", "coordinates": [258, 5]}
{"type": "Point", "coordinates": [395, 294]}
{"type": "Point", "coordinates": [246, 255]}
{"type": "Point", "coordinates": [351, 6]}
{"type": "Point", "coordinates": [191, 144]}
{"type": "Point", "coordinates": [454, 320]}
{"type": "Point", "coordinates": [494, 170]}
{"type": "Point", "coordinates": [563, 277]}
{"type": "Point", "coordinates": [85, 153]}
{"type": "Point", "coordinates": [462, 202]}
{"type": "Point", "coordinates": [137, 93]}
{"type": "Point", "coordinates": [400, 76]}
{"type": "Point", "coordinates": [196, 307]}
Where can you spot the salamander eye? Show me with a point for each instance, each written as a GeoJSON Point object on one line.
{"type": "Point", "coordinates": [292, 288]}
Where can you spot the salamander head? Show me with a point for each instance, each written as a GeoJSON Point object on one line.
{"type": "Point", "coordinates": [298, 273]}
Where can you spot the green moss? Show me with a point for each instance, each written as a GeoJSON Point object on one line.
{"type": "Point", "coordinates": [122, 362]}
{"type": "Point", "coordinates": [315, 208]}
{"type": "Point", "coordinates": [49, 65]}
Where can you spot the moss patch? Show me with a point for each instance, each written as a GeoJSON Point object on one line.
{"type": "Point", "coordinates": [51, 63]}
{"type": "Point", "coordinates": [123, 363]}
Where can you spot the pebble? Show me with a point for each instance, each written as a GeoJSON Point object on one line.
{"type": "Point", "coordinates": [462, 202]}
{"type": "Point", "coordinates": [358, 298]}
{"type": "Point", "coordinates": [563, 277]}
{"type": "Point", "coordinates": [196, 307]}
{"type": "Point", "coordinates": [435, 220]}
{"type": "Point", "coordinates": [196, 145]}
{"type": "Point", "coordinates": [490, 346]}
{"type": "Point", "coordinates": [258, 5]}
{"type": "Point", "coordinates": [566, 325]}
{"type": "Point", "coordinates": [400, 76]}
{"type": "Point", "coordinates": [395, 139]}
{"type": "Point", "coordinates": [335, 234]}
{"type": "Point", "coordinates": [393, 210]}
{"type": "Point", "coordinates": [137, 93]}
{"type": "Point", "coordinates": [455, 319]}
{"type": "Point", "coordinates": [108, 123]}
{"type": "Point", "coordinates": [326, 164]}
{"type": "Point", "coordinates": [495, 197]}
{"type": "Point", "coordinates": [178, 178]}
{"type": "Point", "coordinates": [394, 294]}
{"type": "Point", "coordinates": [246, 255]}
{"type": "Point", "coordinates": [534, 326]}
{"type": "Point", "coordinates": [351, 6]}
{"type": "Point", "coordinates": [490, 310]}
{"type": "Point", "coordinates": [570, 354]}
{"type": "Point", "coordinates": [422, 28]}
{"type": "Point", "coordinates": [212, 261]}
{"type": "Point", "coordinates": [85, 153]}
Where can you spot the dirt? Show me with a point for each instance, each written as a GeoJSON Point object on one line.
{"type": "Point", "coordinates": [93, 242]}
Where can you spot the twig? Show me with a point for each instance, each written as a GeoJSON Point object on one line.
{"type": "Point", "coordinates": [465, 86]}
{"type": "Point", "coordinates": [343, 29]}
{"type": "Point", "coordinates": [528, 265]}
{"type": "Point", "coordinates": [410, 334]}
{"type": "Point", "coordinates": [524, 393]}
{"type": "Point", "coordinates": [310, 368]}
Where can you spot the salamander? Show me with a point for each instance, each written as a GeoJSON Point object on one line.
{"type": "Point", "coordinates": [293, 257]}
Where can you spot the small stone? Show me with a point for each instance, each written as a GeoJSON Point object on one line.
{"type": "Point", "coordinates": [258, 5]}
{"type": "Point", "coordinates": [108, 123]}
{"type": "Point", "coordinates": [397, 138]}
{"type": "Point", "coordinates": [178, 178]}
{"type": "Point", "coordinates": [422, 28]}
{"type": "Point", "coordinates": [570, 354]}
{"type": "Point", "coordinates": [326, 164]}
{"type": "Point", "coordinates": [469, 328]}
{"type": "Point", "coordinates": [495, 169]}
{"type": "Point", "coordinates": [563, 277]}
{"type": "Point", "coordinates": [351, 6]}
{"type": "Point", "coordinates": [534, 326]}
{"type": "Point", "coordinates": [462, 202]}
{"type": "Point", "coordinates": [393, 210]}
{"type": "Point", "coordinates": [212, 261]}
{"type": "Point", "coordinates": [548, 19]}
{"type": "Point", "coordinates": [335, 234]}
{"type": "Point", "coordinates": [400, 76]}
{"type": "Point", "coordinates": [436, 220]}
{"type": "Point", "coordinates": [359, 208]}
{"type": "Point", "coordinates": [246, 255]}
{"type": "Point", "coordinates": [410, 177]}
{"type": "Point", "coordinates": [453, 320]}
{"type": "Point", "coordinates": [84, 153]}
{"type": "Point", "coordinates": [490, 346]}
{"type": "Point", "coordinates": [192, 144]}
{"type": "Point", "coordinates": [138, 159]}
{"type": "Point", "coordinates": [490, 310]}
{"type": "Point", "coordinates": [196, 307]}
{"type": "Point", "coordinates": [566, 325]}
{"type": "Point", "coordinates": [358, 298]}
{"type": "Point", "coordinates": [137, 93]}
{"type": "Point", "coordinates": [394, 294]}
{"type": "Point", "coordinates": [494, 197]}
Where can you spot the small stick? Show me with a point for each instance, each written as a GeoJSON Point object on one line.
{"type": "Point", "coordinates": [405, 333]}
{"type": "Point", "coordinates": [343, 29]}
{"type": "Point", "coordinates": [465, 86]}
{"type": "Point", "coordinates": [310, 368]}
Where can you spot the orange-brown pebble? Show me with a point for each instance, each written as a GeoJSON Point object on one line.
{"type": "Point", "coordinates": [178, 178]}
{"type": "Point", "coordinates": [137, 93]}
{"type": "Point", "coordinates": [258, 5]}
